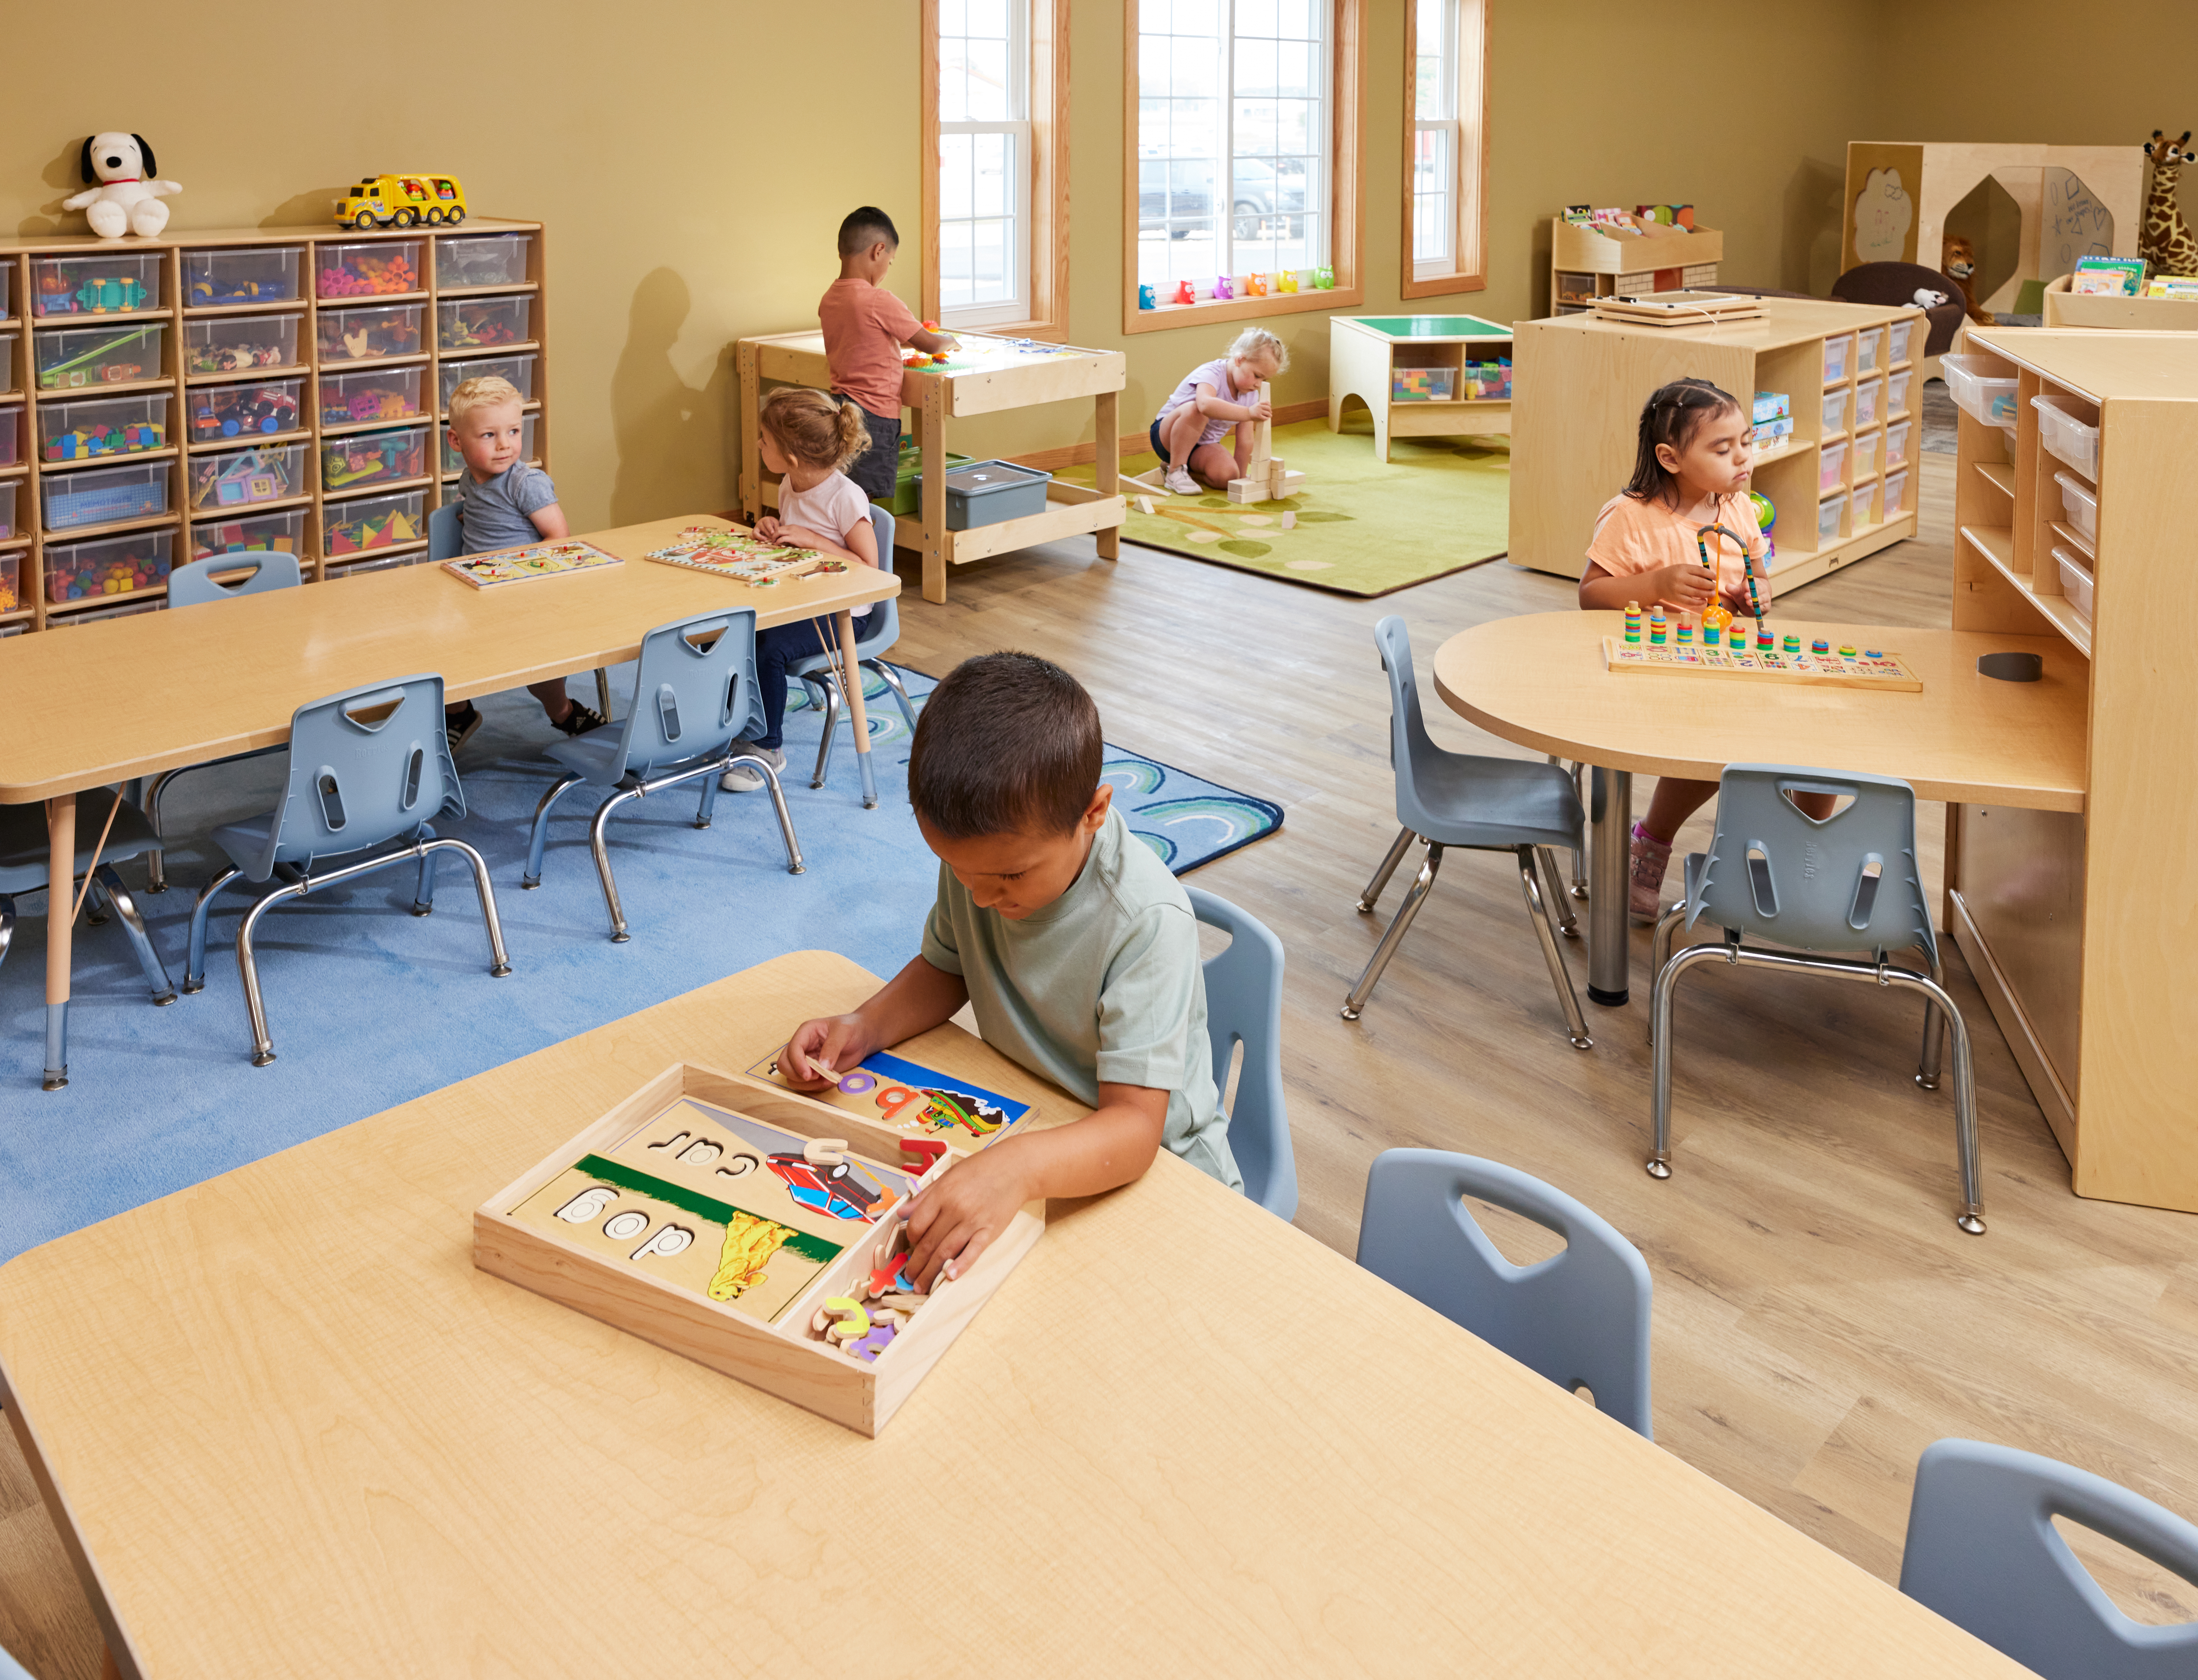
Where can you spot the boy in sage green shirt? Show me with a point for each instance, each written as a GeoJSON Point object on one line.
{"type": "Point", "coordinates": [1073, 943]}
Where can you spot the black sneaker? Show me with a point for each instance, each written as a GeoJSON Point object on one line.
{"type": "Point", "coordinates": [582, 718]}
{"type": "Point", "coordinates": [460, 725]}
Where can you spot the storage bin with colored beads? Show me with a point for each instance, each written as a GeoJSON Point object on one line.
{"type": "Point", "coordinates": [481, 324]}
{"type": "Point", "coordinates": [110, 283]}
{"type": "Point", "coordinates": [238, 344]}
{"type": "Point", "coordinates": [104, 495]}
{"type": "Point", "coordinates": [362, 335]}
{"type": "Point", "coordinates": [74, 358]}
{"type": "Point", "coordinates": [371, 269]}
{"type": "Point", "coordinates": [111, 565]}
{"type": "Point", "coordinates": [247, 274]}
{"type": "Point", "coordinates": [455, 462]}
{"type": "Point", "coordinates": [113, 426]}
{"type": "Point", "coordinates": [378, 394]}
{"type": "Point", "coordinates": [282, 531]}
{"type": "Point", "coordinates": [519, 369]}
{"type": "Point", "coordinates": [373, 522]}
{"type": "Point", "coordinates": [239, 477]}
{"type": "Point", "coordinates": [359, 459]}
{"type": "Point", "coordinates": [253, 409]}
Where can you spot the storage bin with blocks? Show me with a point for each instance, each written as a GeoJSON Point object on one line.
{"type": "Point", "coordinates": [251, 407]}
{"type": "Point", "coordinates": [383, 393]}
{"type": "Point", "coordinates": [361, 458]}
{"type": "Point", "coordinates": [241, 274]}
{"type": "Point", "coordinates": [282, 531]}
{"type": "Point", "coordinates": [362, 334]}
{"type": "Point", "coordinates": [519, 369]}
{"type": "Point", "coordinates": [112, 566]}
{"type": "Point", "coordinates": [455, 462]}
{"type": "Point", "coordinates": [73, 358]}
{"type": "Point", "coordinates": [481, 324]}
{"type": "Point", "coordinates": [373, 522]}
{"type": "Point", "coordinates": [1423, 384]}
{"type": "Point", "coordinates": [104, 495]}
{"type": "Point", "coordinates": [481, 259]}
{"type": "Point", "coordinates": [370, 269]}
{"type": "Point", "coordinates": [238, 478]}
{"type": "Point", "coordinates": [78, 431]}
{"type": "Point", "coordinates": [231, 343]}
{"type": "Point", "coordinates": [751, 1230]}
{"type": "Point", "coordinates": [108, 284]}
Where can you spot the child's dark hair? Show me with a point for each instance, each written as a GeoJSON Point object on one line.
{"type": "Point", "coordinates": [1008, 743]}
{"type": "Point", "coordinates": [1670, 416]}
{"type": "Point", "coordinates": [864, 228]}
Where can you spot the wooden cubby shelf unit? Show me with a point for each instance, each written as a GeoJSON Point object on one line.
{"type": "Point", "coordinates": [33, 539]}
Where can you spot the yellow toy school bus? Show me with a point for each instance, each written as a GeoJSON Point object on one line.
{"type": "Point", "coordinates": [401, 200]}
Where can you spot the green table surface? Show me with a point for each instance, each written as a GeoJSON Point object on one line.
{"type": "Point", "coordinates": [1431, 326]}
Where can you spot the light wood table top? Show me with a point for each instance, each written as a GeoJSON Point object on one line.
{"type": "Point", "coordinates": [140, 694]}
{"type": "Point", "coordinates": [298, 1434]}
{"type": "Point", "coordinates": [1539, 680]}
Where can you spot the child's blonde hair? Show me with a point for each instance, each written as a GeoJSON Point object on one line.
{"type": "Point", "coordinates": [1259, 341]}
{"type": "Point", "coordinates": [813, 429]}
{"type": "Point", "coordinates": [486, 391]}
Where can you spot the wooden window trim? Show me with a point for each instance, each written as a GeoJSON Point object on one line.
{"type": "Point", "coordinates": [1347, 205]}
{"type": "Point", "coordinates": [1470, 240]}
{"type": "Point", "coordinates": [1049, 210]}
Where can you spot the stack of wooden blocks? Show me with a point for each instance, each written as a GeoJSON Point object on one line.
{"type": "Point", "coordinates": [1266, 479]}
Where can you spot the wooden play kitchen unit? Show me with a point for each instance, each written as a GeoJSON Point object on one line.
{"type": "Point", "coordinates": [166, 399]}
{"type": "Point", "coordinates": [2075, 920]}
{"type": "Point", "coordinates": [1387, 362]}
{"type": "Point", "coordinates": [1842, 481]}
{"type": "Point", "coordinates": [986, 375]}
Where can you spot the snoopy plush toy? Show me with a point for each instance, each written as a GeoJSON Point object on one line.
{"type": "Point", "coordinates": [124, 198]}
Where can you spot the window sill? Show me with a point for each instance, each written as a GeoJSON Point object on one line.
{"type": "Point", "coordinates": [1046, 332]}
{"type": "Point", "coordinates": [1168, 317]}
{"type": "Point", "coordinates": [1441, 285]}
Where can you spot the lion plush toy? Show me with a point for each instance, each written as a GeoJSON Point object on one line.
{"type": "Point", "coordinates": [124, 198]}
{"type": "Point", "coordinates": [1958, 263]}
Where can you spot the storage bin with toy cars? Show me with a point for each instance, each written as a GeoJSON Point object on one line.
{"type": "Point", "coordinates": [250, 408]}
{"type": "Point", "coordinates": [110, 282]}
{"type": "Point", "coordinates": [246, 274]}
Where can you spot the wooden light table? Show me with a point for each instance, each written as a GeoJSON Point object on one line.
{"type": "Point", "coordinates": [1365, 351]}
{"type": "Point", "coordinates": [993, 379]}
{"type": "Point", "coordinates": [229, 676]}
{"type": "Point", "coordinates": [285, 1429]}
{"type": "Point", "coordinates": [1539, 680]}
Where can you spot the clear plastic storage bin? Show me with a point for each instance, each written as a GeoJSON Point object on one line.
{"type": "Point", "coordinates": [1896, 442]}
{"type": "Point", "coordinates": [360, 335]}
{"type": "Point", "coordinates": [112, 282]}
{"type": "Point", "coordinates": [237, 344]}
{"type": "Point", "coordinates": [2065, 432]}
{"type": "Point", "coordinates": [484, 323]}
{"type": "Point", "coordinates": [115, 566]}
{"type": "Point", "coordinates": [2079, 506]}
{"type": "Point", "coordinates": [246, 274]}
{"type": "Point", "coordinates": [1896, 493]}
{"type": "Point", "coordinates": [238, 478]}
{"type": "Point", "coordinates": [11, 598]}
{"type": "Point", "coordinates": [11, 526]}
{"type": "Point", "coordinates": [1988, 397]}
{"type": "Point", "coordinates": [1870, 402]}
{"type": "Point", "coordinates": [7, 356]}
{"type": "Point", "coordinates": [481, 259]}
{"type": "Point", "coordinates": [92, 356]}
{"type": "Point", "coordinates": [453, 461]}
{"type": "Point", "coordinates": [114, 425]}
{"type": "Point", "coordinates": [1831, 465]}
{"type": "Point", "coordinates": [2075, 580]}
{"type": "Point", "coordinates": [1839, 356]}
{"type": "Point", "coordinates": [282, 531]}
{"type": "Point", "coordinates": [6, 286]}
{"type": "Point", "coordinates": [381, 393]}
{"type": "Point", "coordinates": [519, 369]}
{"type": "Point", "coordinates": [1835, 411]}
{"type": "Point", "coordinates": [1899, 336]}
{"type": "Point", "coordinates": [371, 269]}
{"type": "Point", "coordinates": [1828, 517]}
{"type": "Point", "coordinates": [1896, 392]}
{"type": "Point", "coordinates": [11, 436]}
{"type": "Point", "coordinates": [253, 409]}
{"type": "Point", "coordinates": [104, 495]}
{"type": "Point", "coordinates": [75, 620]}
{"type": "Point", "coordinates": [1867, 346]}
{"type": "Point", "coordinates": [362, 458]}
{"type": "Point", "coordinates": [373, 522]}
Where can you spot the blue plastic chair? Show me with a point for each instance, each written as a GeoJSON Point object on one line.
{"type": "Point", "coordinates": [1446, 798]}
{"type": "Point", "coordinates": [1982, 1551]}
{"type": "Point", "coordinates": [694, 695]}
{"type": "Point", "coordinates": [1846, 883]}
{"type": "Point", "coordinates": [194, 586]}
{"type": "Point", "coordinates": [24, 861]}
{"type": "Point", "coordinates": [367, 767]}
{"type": "Point", "coordinates": [12, 1670]}
{"type": "Point", "coordinates": [1580, 1319]}
{"type": "Point", "coordinates": [875, 632]}
{"type": "Point", "coordinates": [446, 540]}
{"type": "Point", "coordinates": [1244, 1006]}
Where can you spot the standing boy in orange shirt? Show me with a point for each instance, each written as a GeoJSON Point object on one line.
{"type": "Point", "coordinates": [864, 328]}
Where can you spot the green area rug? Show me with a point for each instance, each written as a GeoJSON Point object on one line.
{"type": "Point", "coordinates": [1363, 528]}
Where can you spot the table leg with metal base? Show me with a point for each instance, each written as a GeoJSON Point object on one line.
{"type": "Point", "coordinates": [1610, 815]}
{"type": "Point", "coordinates": [61, 888]}
{"type": "Point", "coordinates": [858, 718]}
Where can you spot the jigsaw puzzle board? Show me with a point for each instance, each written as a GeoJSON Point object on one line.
{"type": "Point", "coordinates": [521, 565]}
{"type": "Point", "coordinates": [914, 1100]}
{"type": "Point", "coordinates": [737, 554]}
{"type": "Point", "coordinates": [1865, 669]}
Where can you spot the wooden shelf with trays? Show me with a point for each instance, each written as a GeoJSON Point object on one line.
{"type": "Point", "coordinates": [18, 255]}
{"type": "Point", "coordinates": [1625, 266]}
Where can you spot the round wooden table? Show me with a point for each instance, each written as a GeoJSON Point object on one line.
{"type": "Point", "coordinates": [1539, 680]}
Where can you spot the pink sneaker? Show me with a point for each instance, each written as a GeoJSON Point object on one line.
{"type": "Point", "coordinates": [1650, 858]}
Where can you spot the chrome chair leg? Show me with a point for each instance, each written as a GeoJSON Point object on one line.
{"type": "Point", "coordinates": [795, 865]}
{"type": "Point", "coordinates": [1530, 859]}
{"type": "Point", "coordinates": [824, 694]}
{"type": "Point", "coordinates": [1355, 1003]}
{"type": "Point", "coordinates": [1664, 989]}
{"type": "Point", "coordinates": [891, 678]}
{"type": "Point", "coordinates": [156, 878]}
{"type": "Point", "coordinates": [597, 845]}
{"type": "Point", "coordinates": [500, 961]}
{"type": "Point", "coordinates": [195, 963]}
{"type": "Point", "coordinates": [7, 923]}
{"type": "Point", "coordinates": [1553, 893]}
{"type": "Point", "coordinates": [539, 838]}
{"type": "Point", "coordinates": [247, 965]}
{"type": "Point", "coordinates": [1971, 1218]}
{"type": "Point", "coordinates": [423, 896]}
{"type": "Point", "coordinates": [125, 912]}
{"type": "Point", "coordinates": [1934, 1033]}
{"type": "Point", "coordinates": [1380, 884]}
{"type": "Point", "coordinates": [705, 812]}
{"type": "Point", "coordinates": [1660, 950]}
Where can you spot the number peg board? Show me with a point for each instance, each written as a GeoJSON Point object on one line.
{"type": "Point", "coordinates": [1867, 668]}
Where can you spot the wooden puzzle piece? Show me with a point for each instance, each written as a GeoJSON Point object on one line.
{"type": "Point", "coordinates": [867, 1347]}
{"type": "Point", "coordinates": [841, 1320]}
{"type": "Point", "coordinates": [927, 1150]}
{"type": "Point", "coordinates": [750, 1241]}
{"type": "Point", "coordinates": [824, 1151]}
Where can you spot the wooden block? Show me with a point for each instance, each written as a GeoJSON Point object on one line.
{"type": "Point", "coordinates": [1247, 490]}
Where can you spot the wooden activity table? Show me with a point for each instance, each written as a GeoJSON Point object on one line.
{"type": "Point", "coordinates": [286, 1429]}
{"type": "Point", "coordinates": [1364, 352]}
{"type": "Point", "coordinates": [1539, 680]}
{"type": "Point", "coordinates": [132, 697]}
{"type": "Point", "coordinates": [986, 375]}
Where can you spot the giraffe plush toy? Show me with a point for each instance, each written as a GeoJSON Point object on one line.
{"type": "Point", "coordinates": [2165, 240]}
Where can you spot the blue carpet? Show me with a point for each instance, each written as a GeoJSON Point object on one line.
{"type": "Point", "coordinates": [369, 1006]}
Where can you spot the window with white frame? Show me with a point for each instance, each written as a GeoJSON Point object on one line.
{"type": "Point", "coordinates": [984, 161]}
{"type": "Point", "coordinates": [1445, 138]}
{"type": "Point", "coordinates": [1234, 139]}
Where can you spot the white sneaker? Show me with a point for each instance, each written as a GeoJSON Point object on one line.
{"type": "Point", "coordinates": [1180, 483]}
{"type": "Point", "coordinates": [746, 778]}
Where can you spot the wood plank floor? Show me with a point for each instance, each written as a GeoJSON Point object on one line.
{"type": "Point", "coordinates": [1818, 1318]}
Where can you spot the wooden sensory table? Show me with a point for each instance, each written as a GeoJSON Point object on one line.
{"type": "Point", "coordinates": [285, 1428]}
{"type": "Point", "coordinates": [1365, 351]}
{"type": "Point", "coordinates": [986, 375]}
{"type": "Point", "coordinates": [230, 675]}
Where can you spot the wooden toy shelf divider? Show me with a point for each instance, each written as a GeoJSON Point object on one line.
{"type": "Point", "coordinates": [32, 539]}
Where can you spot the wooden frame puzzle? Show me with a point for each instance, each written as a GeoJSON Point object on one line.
{"type": "Point", "coordinates": [936, 1113]}
{"type": "Point", "coordinates": [749, 1229]}
{"type": "Point", "coordinates": [739, 556]}
{"type": "Point", "coordinates": [1859, 668]}
{"type": "Point", "coordinates": [522, 565]}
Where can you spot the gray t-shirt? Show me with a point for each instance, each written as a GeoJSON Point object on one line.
{"type": "Point", "coordinates": [1104, 983]}
{"type": "Point", "coordinates": [496, 514]}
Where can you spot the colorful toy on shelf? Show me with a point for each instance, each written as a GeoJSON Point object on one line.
{"type": "Point", "coordinates": [99, 295]}
{"type": "Point", "coordinates": [99, 571]}
{"type": "Point", "coordinates": [1287, 281]}
{"type": "Point", "coordinates": [83, 444]}
{"type": "Point", "coordinates": [352, 530]}
{"type": "Point", "coordinates": [402, 201]}
{"type": "Point", "coordinates": [1422, 385]}
{"type": "Point", "coordinates": [359, 335]}
{"type": "Point", "coordinates": [365, 405]}
{"type": "Point", "coordinates": [232, 410]}
{"type": "Point", "coordinates": [372, 457]}
{"type": "Point", "coordinates": [119, 361]}
{"type": "Point", "coordinates": [238, 358]}
{"type": "Point", "coordinates": [204, 296]}
{"type": "Point", "coordinates": [1145, 299]}
{"type": "Point", "coordinates": [235, 536]}
{"type": "Point", "coordinates": [360, 272]}
{"type": "Point", "coordinates": [1255, 285]}
{"type": "Point", "coordinates": [1323, 278]}
{"type": "Point", "coordinates": [1680, 216]}
{"type": "Point", "coordinates": [123, 197]}
{"type": "Point", "coordinates": [1184, 295]}
{"type": "Point", "coordinates": [1485, 382]}
{"type": "Point", "coordinates": [238, 480]}
{"type": "Point", "coordinates": [1224, 286]}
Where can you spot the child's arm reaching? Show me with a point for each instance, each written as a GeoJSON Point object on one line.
{"type": "Point", "coordinates": [860, 544]}
{"type": "Point", "coordinates": [1210, 406]}
{"type": "Point", "coordinates": [933, 344]}
{"type": "Point", "coordinates": [915, 1000]}
{"type": "Point", "coordinates": [1688, 587]}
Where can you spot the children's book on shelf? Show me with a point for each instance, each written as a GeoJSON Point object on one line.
{"type": "Point", "coordinates": [741, 555]}
{"type": "Point", "coordinates": [2107, 277]}
{"type": "Point", "coordinates": [536, 560]}
{"type": "Point", "coordinates": [915, 1100]}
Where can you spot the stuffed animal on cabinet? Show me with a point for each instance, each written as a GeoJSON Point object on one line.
{"type": "Point", "coordinates": [2164, 238]}
{"type": "Point", "coordinates": [124, 198]}
{"type": "Point", "coordinates": [1958, 263]}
